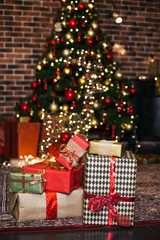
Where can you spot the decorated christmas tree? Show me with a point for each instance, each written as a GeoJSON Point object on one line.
{"type": "Point", "coordinates": [78, 77]}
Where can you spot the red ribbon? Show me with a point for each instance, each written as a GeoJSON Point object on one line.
{"type": "Point", "coordinates": [51, 205]}
{"type": "Point", "coordinates": [70, 156]}
{"type": "Point", "coordinates": [96, 203]}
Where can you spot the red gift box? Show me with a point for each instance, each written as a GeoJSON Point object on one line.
{"type": "Point", "coordinates": [73, 151]}
{"type": "Point", "coordinates": [58, 180]}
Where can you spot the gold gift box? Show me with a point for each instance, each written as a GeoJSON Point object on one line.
{"type": "Point", "coordinates": [107, 148]}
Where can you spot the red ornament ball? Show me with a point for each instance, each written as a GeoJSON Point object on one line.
{"type": "Point", "coordinates": [131, 110]}
{"type": "Point", "coordinates": [109, 56]}
{"type": "Point", "coordinates": [39, 82]}
{"type": "Point", "coordinates": [113, 136]}
{"type": "Point", "coordinates": [57, 72]}
{"type": "Point", "coordinates": [72, 23]}
{"type": "Point", "coordinates": [18, 104]}
{"type": "Point", "coordinates": [90, 41]}
{"type": "Point", "coordinates": [74, 105]}
{"type": "Point", "coordinates": [65, 137]}
{"type": "Point", "coordinates": [121, 105]}
{"type": "Point", "coordinates": [34, 99]}
{"type": "Point", "coordinates": [107, 128]}
{"type": "Point", "coordinates": [118, 109]}
{"type": "Point", "coordinates": [81, 6]}
{"type": "Point", "coordinates": [79, 40]}
{"type": "Point", "coordinates": [34, 85]}
{"type": "Point", "coordinates": [108, 101]}
{"type": "Point", "coordinates": [132, 90]}
{"type": "Point", "coordinates": [70, 95]}
{"type": "Point", "coordinates": [24, 107]}
{"type": "Point", "coordinates": [53, 41]}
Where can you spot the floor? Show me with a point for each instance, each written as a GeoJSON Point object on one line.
{"type": "Point", "coordinates": [147, 232]}
{"type": "Point", "coordinates": [151, 232]}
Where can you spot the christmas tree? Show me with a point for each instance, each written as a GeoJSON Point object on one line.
{"type": "Point", "coordinates": [77, 74]}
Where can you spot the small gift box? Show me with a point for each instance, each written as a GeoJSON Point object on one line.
{"type": "Point", "coordinates": [48, 205]}
{"type": "Point", "coordinates": [109, 190]}
{"type": "Point", "coordinates": [58, 178]}
{"type": "Point", "coordinates": [72, 152]}
{"type": "Point", "coordinates": [27, 182]}
{"type": "Point", "coordinates": [107, 148]}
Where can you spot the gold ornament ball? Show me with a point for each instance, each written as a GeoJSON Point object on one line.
{"type": "Point", "coordinates": [44, 61]}
{"type": "Point", "coordinates": [118, 75]}
{"type": "Point", "coordinates": [94, 25]}
{"type": "Point", "coordinates": [71, 40]}
{"type": "Point", "coordinates": [128, 127]}
{"type": "Point", "coordinates": [92, 53]}
{"type": "Point", "coordinates": [66, 52]}
{"type": "Point", "coordinates": [91, 33]}
{"type": "Point", "coordinates": [65, 107]}
{"type": "Point", "coordinates": [105, 45]}
{"type": "Point", "coordinates": [50, 56]}
{"type": "Point", "coordinates": [96, 104]}
{"type": "Point", "coordinates": [53, 107]}
{"type": "Point", "coordinates": [99, 55]}
{"type": "Point", "coordinates": [39, 67]}
{"type": "Point", "coordinates": [81, 81]}
{"type": "Point", "coordinates": [67, 71]}
{"type": "Point", "coordinates": [107, 82]}
{"type": "Point", "coordinates": [69, 8]}
{"type": "Point", "coordinates": [78, 96]}
{"type": "Point", "coordinates": [90, 6]}
{"type": "Point", "coordinates": [94, 122]}
{"type": "Point", "coordinates": [68, 36]}
{"type": "Point", "coordinates": [64, 23]}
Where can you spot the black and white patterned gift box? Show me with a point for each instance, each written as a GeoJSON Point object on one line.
{"type": "Point", "coordinates": [106, 178]}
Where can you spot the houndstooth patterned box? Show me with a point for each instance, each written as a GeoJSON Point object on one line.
{"type": "Point", "coordinates": [97, 181]}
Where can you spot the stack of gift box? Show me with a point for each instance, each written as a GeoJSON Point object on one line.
{"type": "Point", "coordinates": [94, 180]}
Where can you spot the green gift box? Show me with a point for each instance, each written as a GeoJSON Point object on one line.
{"type": "Point", "coordinates": [27, 182]}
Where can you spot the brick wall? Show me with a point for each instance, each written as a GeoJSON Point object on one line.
{"type": "Point", "coordinates": [25, 24]}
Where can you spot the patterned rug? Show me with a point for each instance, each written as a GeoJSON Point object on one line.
{"type": "Point", "coordinates": [147, 205]}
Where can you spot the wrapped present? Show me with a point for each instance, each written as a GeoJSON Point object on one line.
{"type": "Point", "coordinates": [48, 205]}
{"type": "Point", "coordinates": [107, 148]}
{"type": "Point", "coordinates": [109, 190]}
{"type": "Point", "coordinates": [58, 178]}
{"type": "Point", "coordinates": [72, 152]}
{"type": "Point", "coordinates": [27, 182]}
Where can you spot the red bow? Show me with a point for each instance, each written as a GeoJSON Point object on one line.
{"type": "Point", "coordinates": [97, 203]}
{"type": "Point", "coordinates": [70, 156]}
